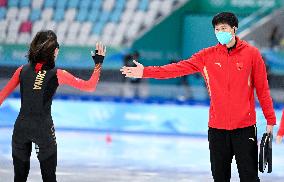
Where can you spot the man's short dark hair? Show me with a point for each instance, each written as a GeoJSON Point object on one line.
{"type": "Point", "coordinates": [227, 18]}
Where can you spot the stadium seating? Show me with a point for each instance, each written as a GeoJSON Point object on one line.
{"type": "Point", "coordinates": [83, 22]}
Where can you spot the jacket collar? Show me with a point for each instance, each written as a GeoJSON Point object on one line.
{"type": "Point", "coordinates": [240, 44]}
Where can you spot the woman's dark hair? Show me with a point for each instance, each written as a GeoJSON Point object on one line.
{"type": "Point", "coordinates": [225, 17]}
{"type": "Point", "coordinates": [42, 48]}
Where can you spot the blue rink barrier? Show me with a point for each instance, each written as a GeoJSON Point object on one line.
{"type": "Point", "coordinates": [115, 114]}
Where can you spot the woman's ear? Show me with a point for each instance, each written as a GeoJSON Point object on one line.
{"type": "Point", "coordinates": [56, 51]}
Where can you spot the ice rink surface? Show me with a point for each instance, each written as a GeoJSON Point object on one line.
{"type": "Point", "coordinates": [112, 157]}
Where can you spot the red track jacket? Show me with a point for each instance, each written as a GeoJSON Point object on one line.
{"type": "Point", "coordinates": [230, 78]}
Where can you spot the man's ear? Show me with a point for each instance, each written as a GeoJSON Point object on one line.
{"type": "Point", "coordinates": [235, 29]}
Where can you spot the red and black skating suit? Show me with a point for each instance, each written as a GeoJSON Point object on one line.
{"type": "Point", "coordinates": [34, 122]}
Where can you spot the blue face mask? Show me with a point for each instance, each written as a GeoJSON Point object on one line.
{"type": "Point", "coordinates": [224, 37]}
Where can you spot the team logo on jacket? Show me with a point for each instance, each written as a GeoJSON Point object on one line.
{"type": "Point", "coordinates": [219, 64]}
{"type": "Point", "coordinates": [240, 66]}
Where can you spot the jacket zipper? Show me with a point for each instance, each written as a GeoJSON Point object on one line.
{"type": "Point", "coordinates": [228, 91]}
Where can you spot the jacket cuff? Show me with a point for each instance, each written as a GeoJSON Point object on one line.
{"type": "Point", "coordinates": [146, 72]}
{"type": "Point", "coordinates": [271, 122]}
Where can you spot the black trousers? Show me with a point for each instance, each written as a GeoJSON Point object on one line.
{"type": "Point", "coordinates": [48, 169]}
{"type": "Point", "coordinates": [241, 143]}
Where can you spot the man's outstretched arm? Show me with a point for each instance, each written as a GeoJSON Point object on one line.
{"type": "Point", "coordinates": [184, 67]}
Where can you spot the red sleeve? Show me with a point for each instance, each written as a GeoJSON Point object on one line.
{"type": "Point", "coordinates": [65, 78]}
{"type": "Point", "coordinates": [11, 85]}
{"type": "Point", "coordinates": [281, 128]}
{"type": "Point", "coordinates": [262, 89]}
{"type": "Point", "coordinates": [184, 67]}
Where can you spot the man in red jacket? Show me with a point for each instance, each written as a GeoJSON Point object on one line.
{"type": "Point", "coordinates": [232, 69]}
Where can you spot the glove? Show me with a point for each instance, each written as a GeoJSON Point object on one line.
{"type": "Point", "coordinates": [98, 59]}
